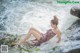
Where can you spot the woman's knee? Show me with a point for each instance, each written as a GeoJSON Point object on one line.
{"type": "Point", "coordinates": [31, 28]}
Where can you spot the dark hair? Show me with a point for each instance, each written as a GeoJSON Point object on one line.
{"type": "Point", "coordinates": [55, 20]}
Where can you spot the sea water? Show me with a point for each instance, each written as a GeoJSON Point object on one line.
{"type": "Point", "coordinates": [18, 16]}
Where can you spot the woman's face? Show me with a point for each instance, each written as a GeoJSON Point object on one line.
{"type": "Point", "coordinates": [53, 25]}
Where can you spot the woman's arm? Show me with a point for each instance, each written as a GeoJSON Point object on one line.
{"type": "Point", "coordinates": [59, 36]}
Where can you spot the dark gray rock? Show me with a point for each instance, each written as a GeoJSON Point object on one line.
{"type": "Point", "coordinates": [74, 51]}
{"type": "Point", "coordinates": [75, 11]}
{"type": "Point", "coordinates": [78, 38]}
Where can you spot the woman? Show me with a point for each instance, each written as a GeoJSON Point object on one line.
{"type": "Point", "coordinates": [40, 37]}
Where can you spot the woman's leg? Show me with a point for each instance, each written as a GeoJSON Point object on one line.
{"type": "Point", "coordinates": [33, 32]}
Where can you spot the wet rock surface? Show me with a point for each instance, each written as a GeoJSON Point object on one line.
{"type": "Point", "coordinates": [75, 11]}
{"type": "Point", "coordinates": [75, 36]}
{"type": "Point", "coordinates": [74, 51]}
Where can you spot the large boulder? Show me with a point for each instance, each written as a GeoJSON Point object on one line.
{"type": "Point", "coordinates": [74, 51]}
{"type": "Point", "coordinates": [75, 11]}
{"type": "Point", "coordinates": [75, 28]}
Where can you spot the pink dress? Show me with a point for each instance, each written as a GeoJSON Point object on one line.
{"type": "Point", "coordinates": [45, 37]}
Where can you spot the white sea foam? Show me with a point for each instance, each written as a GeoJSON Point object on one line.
{"type": "Point", "coordinates": [24, 15]}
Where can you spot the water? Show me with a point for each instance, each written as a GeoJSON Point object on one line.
{"type": "Point", "coordinates": [17, 16]}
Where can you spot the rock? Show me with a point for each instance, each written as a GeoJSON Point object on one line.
{"type": "Point", "coordinates": [74, 51]}
{"type": "Point", "coordinates": [75, 11]}
{"type": "Point", "coordinates": [78, 38]}
{"type": "Point", "coordinates": [8, 39]}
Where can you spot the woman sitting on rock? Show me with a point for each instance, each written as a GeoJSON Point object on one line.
{"type": "Point", "coordinates": [43, 37]}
